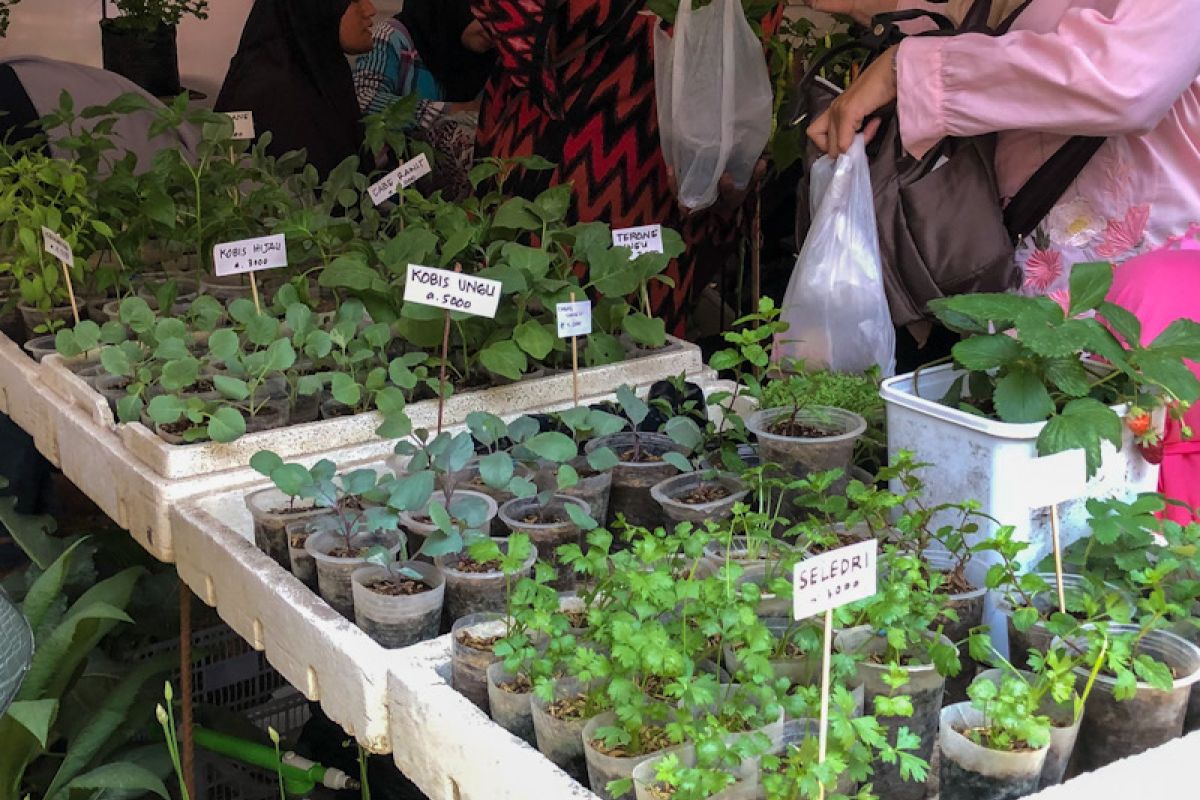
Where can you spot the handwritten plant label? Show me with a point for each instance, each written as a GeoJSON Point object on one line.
{"type": "Point", "coordinates": [834, 579]}
{"type": "Point", "coordinates": [250, 255]}
{"type": "Point", "coordinates": [1055, 479]}
{"type": "Point", "coordinates": [646, 239]}
{"type": "Point", "coordinates": [57, 246]}
{"type": "Point", "coordinates": [452, 291]}
{"type": "Point", "coordinates": [401, 177]}
{"type": "Point", "coordinates": [574, 319]}
{"type": "Point", "coordinates": [243, 124]}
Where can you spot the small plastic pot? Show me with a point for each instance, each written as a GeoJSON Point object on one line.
{"type": "Point", "coordinates": [1114, 729]}
{"type": "Point", "coordinates": [469, 593]}
{"type": "Point", "coordinates": [1063, 734]}
{"type": "Point", "coordinates": [1038, 636]}
{"type": "Point", "coordinates": [594, 488]}
{"type": "Point", "coordinates": [271, 415]}
{"type": "Point", "coordinates": [33, 317]}
{"type": "Point", "coordinates": [561, 740]}
{"type": "Point", "coordinates": [969, 607]}
{"type": "Point", "coordinates": [925, 687]}
{"type": "Point", "coordinates": [305, 408]}
{"type": "Point", "coordinates": [333, 572]}
{"type": "Point", "coordinates": [803, 670]}
{"type": "Point", "coordinates": [419, 530]}
{"type": "Point", "coordinates": [40, 346]}
{"type": "Point", "coordinates": [759, 571]}
{"type": "Point", "coordinates": [273, 512]}
{"type": "Point", "coordinates": [745, 786]}
{"type": "Point", "coordinates": [603, 769]}
{"type": "Point", "coordinates": [800, 456]}
{"type": "Point", "coordinates": [468, 664]}
{"type": "Point", "coordinates": [972, 772]}
{"type": "Point", "coordinates": [112, 388]}
{"type": "Point", "coordinates": [512, 711]}
{"type": "Point", "coordinates": [300, 560]}
{"type": "Point", "coordinates": [547, 538]}
{"type": "Point", "coordinates": [632, 481]}
{"type": "Point", "coordinates": [398, 620]}
{"type": "Point", "coordinates": [468, 479]}
{"type": "Point", "coordinates": [670, 493]}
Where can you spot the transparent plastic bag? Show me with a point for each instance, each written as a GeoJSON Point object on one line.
{"type": "Point", "coordinates": [835, 302]}
{"type": "Point", "coordinates": [714, 98]}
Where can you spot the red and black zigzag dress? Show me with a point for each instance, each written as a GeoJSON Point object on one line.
{"type": "Point", "coordinates": [575, 85]}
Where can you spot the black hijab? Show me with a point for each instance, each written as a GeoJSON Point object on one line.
{"type": "Point", "coordinates": [291, 72]}
{"type": "Point", "coordinates": [436, 27]}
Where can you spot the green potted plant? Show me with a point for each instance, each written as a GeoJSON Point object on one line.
{"type": "Point", "coordinates": [140, 42]}
{"type": "Point", "coordinates": [397, 599]}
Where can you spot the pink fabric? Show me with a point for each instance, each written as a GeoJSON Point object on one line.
{"type": "Point", "coordinates": [1125, 69]}
{"type": "Point", "coordinates": [1159, 288]}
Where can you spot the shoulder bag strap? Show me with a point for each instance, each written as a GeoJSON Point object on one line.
{"type": "Point", "coordinates": [1037, 197]}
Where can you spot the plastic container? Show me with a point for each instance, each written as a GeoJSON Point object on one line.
{"type": "Point", "coordinates": [800, 456]}
{"type": "Point", "coordinates": [968, 457]}
{"type": "Point", "coordinates": [300, 561]}
{"type": "Point", "coordinates": [925, 687]}
{"type": "Point", "coordinates": [512, 711]}
{"type": "Point", "coordinates": [969, 608]}
{"type": "Point", "coordinates": [802, 670]}
{"type": "Point", "coordinates": [1114, 729]}
{"type": "Point", "coordinates": [745, 786]}
{"type": "Point", "coordinates": [469, 664]}
{"type": "Point", "coordinates": [333, 573]}
{"type": "Point", "coordinates": [603, 769]}
{"type": "Point", "coordinates": [547, 538]}
{"type": "Point", "coordinates": [467, 479]}
{"type": "Point", "coordinates": [594, 488]}
{"type": "Point", "coordinates": [668, 494]}
{"type": "Point", "coordinates": [561, 740]}
{"type": "Point", "coordinates": [273, 511]}
{"type": "Point", "coordinates": [418, 530]}
{"type": "Point", "coordinates": [1038, 636]}
{"type": "Point", "coordinates": [471, 593]}
{"type": "Point", "coordinates": [40, 346]}
{"type": "Point", "coordinates": [632, 481]}
{"type": "Point", "coordinates": [760, 571]}
{"type": "Point", "coordinates": [1063, 733]}
{"type": "Point", "coordinates": [972, 772]}
{"type": "Point", "coordinates": [396, 621]}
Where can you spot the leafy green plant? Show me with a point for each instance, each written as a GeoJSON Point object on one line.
{"type": "Point", "coordinates": [148, 14]}
{"type": "Point", "coordinates": [1011, 720]}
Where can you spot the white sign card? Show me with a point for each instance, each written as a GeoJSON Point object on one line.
{"type": "Point", "coordinates": [57, 246]}
{"type": "Point", "coordinates": [646, 239]}
{"type": "Point", "coordinates": [834, 579]}
{"type": "Point", "coordinates": [452, 291]}
{"type": "Point", "coordinates": [401, 177]}
{"type": "Point", "coordinates": [243, 124]}
{"type": "Point", "coordinates": [1055, 479]}
{"type": "Point", "coordinates": [574, 319]}
{"type": "Point", "coordinates": [250, 255]}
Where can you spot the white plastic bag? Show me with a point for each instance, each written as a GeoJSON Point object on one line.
{"type": "Point", "coordinates": [714, 98]}
{"type": "Point", "coordinates": [835, 302]}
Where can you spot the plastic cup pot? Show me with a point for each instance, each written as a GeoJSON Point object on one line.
{"type": "Point", "coordinates": [817, 439]}
{"type": "Point", "coordinates": [973, 772]}
{"type": "Point", "coordinates": [510, 702]}
{"type": "Point", "coordinates": [548, 527]}
{"type": "Point", "coordinates": [602, 768]}
{"type": "Point", "coordinates": [1064, 729]}
{"type": "Point", "coordinates": [761, 561]}
{"type": "Point", "coordinates": [558, 727]}
{"type": "Point", "coordinates": [270, 415]}
{"type": "Point", "coordinates": [398, 610]}
{"type": "Point", "coordinates": [419, 525]}
{"type": "Point", "coordinates": [640, 468]}
{"type": "Point", "coordinates": [335, 564]}
{"type": "Point", "coordinates": [273, 511]}
{"type": "Point", "coordinates": [795, 733]}
{"type": "Point", "coordinates": [473, 588]}
{"type": "Point", "coordinates": [967, 602]}
{"type": "Point", "coordinates": [471, 641]}
{"type": "Point", "coordinates": [801, 669]}
{"type": "Point", "coordinates": [594, 488]}
{"type": "Point", "coordinates": [301, 561]}
{"type": "Point", "coordinates": [925, 686]}
{"type": "Point", "coordinates": [1038, 636]}
{"type": "Point", "coordinates": [646, 785]}
{"type": "Point", "coordinates": [469, 479]}
{"type": "Point", "coordinates": [1114, 729]}
{"type": "Point", "coordinates": [695, 497]}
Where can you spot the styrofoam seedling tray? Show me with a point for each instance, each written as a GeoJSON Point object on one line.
{"type": "Point", "coordinates": [186, 461]}
{"type": "Point", "coordinates": [24, 398]}
{"type": "Point", "coordinates": [450, 749]}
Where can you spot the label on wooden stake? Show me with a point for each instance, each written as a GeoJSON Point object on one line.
{"type": "Point", "coordinates": [574, 319]}
{"type": "Point", "coordinates": [646, 239]}
{"type": "Point", "coordinates": [57, 246]}
{"type": "Point", "coordinates": [834, 579]}
{"type": "Point", "coordinates": [402, 177]}
{"type": "Point", "coordinates": [243, 124]}
{"type": "Point", "coordinates": [250, 255]}
{"type": "Point", "coordinates": [1055, 479]}
{"type": "Point", "coordinates": [453, 291]}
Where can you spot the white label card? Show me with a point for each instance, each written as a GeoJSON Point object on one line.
{"type": "Point", "coordinates": [452, 291]}
{"type": "Point", "coordinates": [243, 124]}
{"type": "Point", "coordinates": [834, 579]}
{"type": "Point", "coordinates": [250, 255]}
{"type": "Point", "coordinates": [57, 246]}
{"type": "Point", "coordinates": [401, 177]}
{"type": "Point", "coordinates": [646, 239]}
{"type": "Point", "coordinates": [574, 319]}
{"type": "Point", "coordinates": [1054, 479]}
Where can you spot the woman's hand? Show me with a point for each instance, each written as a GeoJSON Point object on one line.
{"type": "Point", "coordinates": [834, 131]}
{"type": "Point", "coordinates": [860, 11]}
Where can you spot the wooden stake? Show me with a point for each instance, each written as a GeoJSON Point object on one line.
{"type": "Point", "coordinates": [185, 688]}
{"type": "Point", "coordinates": [1058, 566]}
{"type": "Point", "coordinates": [575, 364]}
{"type": "Point", "coordinates": [823, 734]}
{"type": "Point", "coordinates": [445, 358]}
{"type": "Point", "coordinates": [755, 254]}
{"type": "Point", "coordinates": [70, 291]}
{"type": "Point", "coordinates": [254, 293]}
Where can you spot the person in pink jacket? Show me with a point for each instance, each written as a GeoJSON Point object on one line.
{"type": "Point", "coordinates": [1128, 70]}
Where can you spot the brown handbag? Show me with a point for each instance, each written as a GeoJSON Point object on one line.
{"type": "Point", "coordinates": [942, 230]}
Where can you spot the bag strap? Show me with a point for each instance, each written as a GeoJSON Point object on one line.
{"type": "Point", "coordinates": [1038, 196]}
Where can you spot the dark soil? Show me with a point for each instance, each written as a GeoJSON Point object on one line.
{"type": "Point", "coordinates": [201, 386]}
{"type": "Point", "coordinates": [298, 540]}
{"type": "Point", "coordinates": [176, 428]}
{"type": "Point", "coordinates": [568, 708]}
{"type": "Point", "coordinates": [702, 495]}
{"type": "Point", "coordinates": [545, 518]}
{"type": "Point", "coordinates": [484, 643]}
{"type": "Point", "coordinates": [982, 741]}
{"type": "Point", "coordinates": [632, 456]}
{"type": "Point", "coordinates": [468, 564]}
{"type": "Point", "coordinates": [518, 685]}
{"type": "Point", "coordinates": [578, 619]}
{"type": "Point", "coordinates": [404, 587]}
{"type": "Point", "coordinates": [334, 411]}
{"type": "Point", "coordinates": [800, 430]}
{"type": "Point", "coordinates": [653, 740]}
{"type": "Point", "coordinates": [287, 511]}
{"type": "Point", "coordinates": [347, 552]}
{"type": "Point", "coordinates": [956, 582]}
{"type": "Point", "coordinates": [119, 385]}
